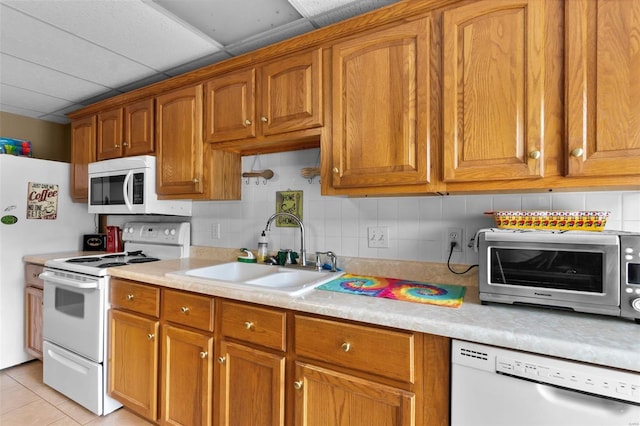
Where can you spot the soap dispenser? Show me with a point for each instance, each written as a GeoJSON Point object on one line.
{"type": "Point", "coordinates": [263, 247]}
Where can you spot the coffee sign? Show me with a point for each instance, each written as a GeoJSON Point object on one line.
{"type": "Point", "coordinates": [42, 201]}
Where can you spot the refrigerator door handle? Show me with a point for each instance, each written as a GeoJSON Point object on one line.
{"type": "Point", "coordinates": [125, 191]}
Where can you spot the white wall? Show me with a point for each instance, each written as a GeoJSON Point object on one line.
{"type": "Point", "coordinates": [417, 225]}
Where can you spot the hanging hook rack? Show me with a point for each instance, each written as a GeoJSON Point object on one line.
{"type": "Point", "coordinates": [310, 172]}
{"type": "Point", "coordinates": [257, 173]}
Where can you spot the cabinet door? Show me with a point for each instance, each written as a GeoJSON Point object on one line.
{"type": "Point", "coordinates": [186, 395]}
{"type": "Point", "coordinates": [251, 386]}
{"type": "Point", "coordinates": [291, 92]}
{"type": "Point", "coordinates": [381, 108]}
{"type": "Point", "coordinates": [230, 107]}
{"type": "Point", "coordinates": [179, 138]}
{"type": "Point", "coordinates": [33, 300]}
{"type": "Point", "coordinates": [133, 362]}
{"type": "Point", "coordinates": [138, 128]}
{"type": "Point", "coordinates": [328, 398]}
{"type": "Point", "coordinates": [603, 87]}
{"type": "Point", "coordinates": [109, 138]}
{"type": "Point", "coordinates": [83, 152]}
{"type": "Point", "coordinates": [493, 66]}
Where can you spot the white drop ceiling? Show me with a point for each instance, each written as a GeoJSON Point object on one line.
{"type": "Point", "coordinates": [57, 56]}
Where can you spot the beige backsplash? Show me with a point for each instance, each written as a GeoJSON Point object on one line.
{"type": "Point", "coordinates": [436, 273]}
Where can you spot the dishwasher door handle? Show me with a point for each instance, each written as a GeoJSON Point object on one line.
{"type": "Point", "coordinates": [582, 402]}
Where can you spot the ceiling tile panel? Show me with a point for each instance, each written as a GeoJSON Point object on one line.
{"type": "Point", "coordinates": [231, 21]}
{"type": "Point", "coordinates": [26, 99]}
{"type": "Point", "coordinates": [36, 78]}
{"type": "Point", "coordinates": [130, 28]}
{"type": "Point", "coordinates": [34, 41]}
{"type": "Point", "coordinates": [267, 38]}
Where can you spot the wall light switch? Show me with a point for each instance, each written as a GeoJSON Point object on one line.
{"type": "Point", "coordinates": [378, 236]}
{"type": "Point", "coordinates": [215, 231]}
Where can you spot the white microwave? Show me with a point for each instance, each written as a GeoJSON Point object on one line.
{"type": "Point", "coordinates": [128, 186]}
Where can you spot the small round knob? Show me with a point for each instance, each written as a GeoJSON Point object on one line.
{"type": "Point", "coordinates": [346, 346]}
{"type": "Point", "coordinates": [204, 354]}
{"type": "Point", "coordinates": [221, 359]}
{"type": "Point", "coordinates": [125, 143]}
{"type": "Point", "coordinates": [195, 180]}
{"type": "Point", "coordinates": [264, 119]}
{"type": "Point", "coordinates": [297, 384]}
{"type": "Point", "coordinates": [247, 122]}
{"type": "Point", "coordinates": [577, 152]}
{"type": "Point", "coordinates": [636, 304]}
{"type": "Point", "coordinates": [248, 325]}
{"type": "Point", "coordinates": [535, 154]}
{"type": "Point", "coordinates": [184, 309]}
{"type": "Point", "coordinates": [336, 170]}
{"type": "Point", "coordinates": [150, 336]}
{"type": "Point", "coordinates": [130, 296]}
{"type": "Point", "coordinates": [117, 146]}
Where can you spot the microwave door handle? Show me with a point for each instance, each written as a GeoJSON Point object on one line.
{"type": "Point", "coordinates": [125, 192]}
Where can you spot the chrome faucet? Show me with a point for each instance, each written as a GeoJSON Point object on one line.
{"type": "Point", "coordinates": [303, 252]}
{"type": "Point", "coordinates": [332, 258]}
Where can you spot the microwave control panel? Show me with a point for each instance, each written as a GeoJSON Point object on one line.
{"type": "Point", "coordinates": [630, 276]}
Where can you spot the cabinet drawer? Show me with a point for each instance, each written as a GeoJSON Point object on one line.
{"type": "Point", "coordinates": [373, 350]}
{"type": "Point", "coordinates": [188, 309]}
{"type": "Point", "coordinates": [261, 326]}
{"type": "Point", "coordinates": [141, 298]}
{"type": "Point", "coordinates": [31, 273]}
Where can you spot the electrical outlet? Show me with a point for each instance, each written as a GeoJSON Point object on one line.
{"type": "Point", "coordinates": [454, 235]}
{"type": "Point", "coordinates": [378, 236]}
{"type": "Point", "coordinates": [215, 231]}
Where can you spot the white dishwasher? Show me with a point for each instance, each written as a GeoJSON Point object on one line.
{"type": "Point", "coordinates": [499, 387]}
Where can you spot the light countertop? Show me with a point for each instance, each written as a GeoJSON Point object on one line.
{"type": "Point", "coordinates": [596, 339]}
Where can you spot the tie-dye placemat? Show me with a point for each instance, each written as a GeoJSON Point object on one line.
{"type": "Point", "coordinates": [392, 288]}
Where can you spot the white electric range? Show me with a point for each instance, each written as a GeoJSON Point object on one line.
{"type": "Point", "coordinates": [76, 304]}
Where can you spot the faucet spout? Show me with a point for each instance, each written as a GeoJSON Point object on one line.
{"type": "Point", "coordinates": [303, 251]}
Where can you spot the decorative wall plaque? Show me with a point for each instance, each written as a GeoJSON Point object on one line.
{"type": "Point", "coordinates": [288, 202]}
{"type": "Point", "coordinates": [42, 201]}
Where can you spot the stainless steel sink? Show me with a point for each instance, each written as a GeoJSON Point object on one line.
{"type": "Point", "coordinates": [291, 281]}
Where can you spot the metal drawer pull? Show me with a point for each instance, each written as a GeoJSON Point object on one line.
{"type": "Point", "coordinates": [535, 154]}
{"type": "Point", "coordinates": [346, 346]}
{"type": "Point", "coordinates": [577, 152]}
{"type": "Point", "coordinates": [203, 354]}
{"type": "Point", "coordinates": [248, 325]}
{"type": "Point", "coordinates": [297, 384]}
{"type": "Point", "coordinates": [129, 296]}
{"type": "Point", "coordinates": [221, 359]}
{"type": "Point", "coordinates": [184, 309]}
{"type": "Point", "coordinates": [150, 336]}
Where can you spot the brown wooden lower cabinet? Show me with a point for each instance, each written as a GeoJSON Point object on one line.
{"type": "Point", "coordinates": [187, 377]}
{"type": "Point", "coordinates": [274, 367]}
{"type": "Point", "coordinates": [251, 386]}
{"type": "Point", "coordinates": [324, 397]}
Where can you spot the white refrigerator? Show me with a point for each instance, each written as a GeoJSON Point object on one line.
{"type": "Point", "coordinates": [36, 217]}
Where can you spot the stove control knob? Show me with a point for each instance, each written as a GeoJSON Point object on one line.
{"type": "Point", "coordinates": [635, 304]}
{"type": "Point", "coordinates": [166, 231]}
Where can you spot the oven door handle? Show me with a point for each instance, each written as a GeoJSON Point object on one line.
{"type": "Point", "coordinates": [125, 190]}
{"type": "Point", "coordinates": [69, 282]}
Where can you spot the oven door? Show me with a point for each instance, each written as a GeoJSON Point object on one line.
{"type": "Point", "coordinates": [74, 312]}
{"type": "Point", "coordinates": [572, 270]}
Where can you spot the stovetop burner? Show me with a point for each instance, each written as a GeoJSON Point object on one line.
{"type": "Point", "coordinates": [83, 259]}
{"type": "Point", "coordinates": [143, 260]}
{"type": "Point", "coordinates": [111, 264]}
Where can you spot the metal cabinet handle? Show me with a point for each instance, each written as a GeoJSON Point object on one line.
{"type": "Point", "coordinates": [195, 180]}
{"type": "Point", "coordinates": [535, 154]}
{"type": "Point", "coordinates": [346, 346]}
{"type": "Point", "coordinates": [130, 296]}
{"type": "Point", "coordinates": [204, 354]}
{"type": "Point", "coordinates": [264, 119]}
{"type": "Point", "coordinates": [248, 325]}
{"type": "Point", "coordinates": [117, 146]}
{"type": "Point", "coordinates": [297, 384]}
{"type": "Point", "coordinates": [184, 309]}
{"type": "Point", "coordinates": [336, 170]}
{"type": "Point", "coordinates": [221, 359]}
{"type": "Point", "coordinates": [577, 152]}
{"type": "Point", "coordinates": [125, 143]}
{"type": "Point", "coordinates": [247, 123]}
{"type": "Point", "coordinates": [150, 336]}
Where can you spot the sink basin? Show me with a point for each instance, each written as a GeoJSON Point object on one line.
{"type": "Point", "coordinates": [291, 281]}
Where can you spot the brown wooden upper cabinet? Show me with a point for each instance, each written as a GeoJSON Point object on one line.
{"type": "Point", "coordinates": [493, 97]}
{"type": "Point", "coordinates": [381, 109]}
{"type": "Point", "coordinates": [126, 131]}
{"type": "Point", "coordinates": [281, 96]}
{"type": "Point", "coordinates": [83, 152]}
{"type": "Point", "coordinates": [603, 87]}
{"type": "Point", "coordinates": [179, 143]}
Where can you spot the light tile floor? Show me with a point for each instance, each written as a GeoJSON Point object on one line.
{"type": "Point", "coordinates": [25, 401]}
